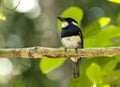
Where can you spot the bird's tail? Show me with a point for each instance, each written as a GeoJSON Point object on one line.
{"type": "Point", "coordinates": [76, 73]}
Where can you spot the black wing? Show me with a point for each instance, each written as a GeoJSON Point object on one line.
{"type": "Point", "coordinates": [81, 37]}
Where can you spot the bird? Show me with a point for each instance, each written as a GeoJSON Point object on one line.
{"type": "Point", "coordinates": [71, 38]}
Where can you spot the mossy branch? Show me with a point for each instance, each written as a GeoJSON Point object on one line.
{"type": "Point", "coordinates": [43, 52]}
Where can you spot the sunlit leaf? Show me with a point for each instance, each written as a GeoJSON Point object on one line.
{"type": "Point", "coordinates": [94, 36]}
{"type": "Point", "coordinates": [47, 64]}
{"type": "Point", "coordinates": [104, 21]}
{"type": "Point", "coordinates": [112, 78]}
{"type": "Point", "coordinates": [2, 16]}
{"type": "Point", "coordinates": [73, 12]}
{"type": "Point", "coordinates": [104, 37]}
{"type": "Point", "coordinates": [109, 67]}
{"type": "Point", "coordinates": [105, 86]}
{"type": "Point", "coordinates": [115, 1]}
{"type": "Point", "coordinates": [94, 73]}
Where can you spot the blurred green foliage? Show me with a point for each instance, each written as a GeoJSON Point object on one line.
{"type": "Point", "coordinates": [99, 30]}
{"type": "Point", "coordinates": [2, 16]}
{"type": "Point", "coordinates": [47, 65]}
{"type": "Point", "coordinates": [115, 1]}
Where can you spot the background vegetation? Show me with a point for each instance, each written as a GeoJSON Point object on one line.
{"type": "Point", "coordinates": [38, 26]}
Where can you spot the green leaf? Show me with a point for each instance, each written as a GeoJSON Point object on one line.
{"type": "Point", "coordinates": [89, 42]}
{"type": "Point", "coordinates": [92, 29]}
{"type": "Point", "coordinates": [115, 1]}
{"type": "Point", "coordinates": [106, 85]}
{"type": "Point", "coordinates": [82, 82]}
{"type": "Point", "coordinates": [109, 67]}
{"type": "Point", "coordinates": [112, 78]}
{"type": "Point", "coordinates": [118, 19]}
{"type": "Point", "coordinates": [47, 64]}
{"type": "Point", "coordinates": [94, 73]}
{"type": "Point", "coordinates": [73, 12]}
{"type": "Point", "coordinates": [94, 36]}
{"type": "Point", "coordinates": [2, 16]}
{"type": "Point", "coordinates": [117, 58]}
{"type": "Point", "coordinates": [104, 37]}
{"type": "Point", "coordinates": [104, 21]}
{"type": "Point", "coordinates": [90, 33]}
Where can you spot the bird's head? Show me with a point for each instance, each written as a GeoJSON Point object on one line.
{"type": "Point", "coordinates": [67, 21]}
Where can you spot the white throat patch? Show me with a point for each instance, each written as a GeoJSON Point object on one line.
{"type": "Point", "coordinates": [64, 24]}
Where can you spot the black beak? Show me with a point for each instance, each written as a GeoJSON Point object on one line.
{"type": "Point", "coordinates": [61, 19]}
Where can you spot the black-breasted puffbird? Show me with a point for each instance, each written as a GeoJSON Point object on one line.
{"type": "Point", "coordinates": [72, 38]}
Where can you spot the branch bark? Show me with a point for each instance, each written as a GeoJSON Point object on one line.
{"type": "Point", "coordinates": [42, 52]}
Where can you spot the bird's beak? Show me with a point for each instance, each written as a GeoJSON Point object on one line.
{"type": "Point", "coordinates": [60, 18]}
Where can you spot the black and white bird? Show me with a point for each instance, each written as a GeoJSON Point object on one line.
{"type": "Point", "coordinates": [72, 38]}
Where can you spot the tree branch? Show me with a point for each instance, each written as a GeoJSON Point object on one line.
{"type": "Point", "coordinates": [42, 52]}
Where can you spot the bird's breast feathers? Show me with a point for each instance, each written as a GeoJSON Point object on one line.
{"type": "Point", "coordinates": [71, 41]}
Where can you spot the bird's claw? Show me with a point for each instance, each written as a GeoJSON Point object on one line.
{"type": "Point", "coordinates": [65, 49]}
{"type": "Point", "coordinates": [76, 50]}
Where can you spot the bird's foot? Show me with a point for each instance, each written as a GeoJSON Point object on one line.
{"type": "Point", "coordinates": [76, 50]}
{"type": "Point", "coordinates": [65, 49]}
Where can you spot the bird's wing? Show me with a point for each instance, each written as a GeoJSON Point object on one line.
{"type": "Point", "coordinates": [81, 37]}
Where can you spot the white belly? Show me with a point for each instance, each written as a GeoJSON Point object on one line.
{"type": "Point", "coordinates": [71, 42]}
